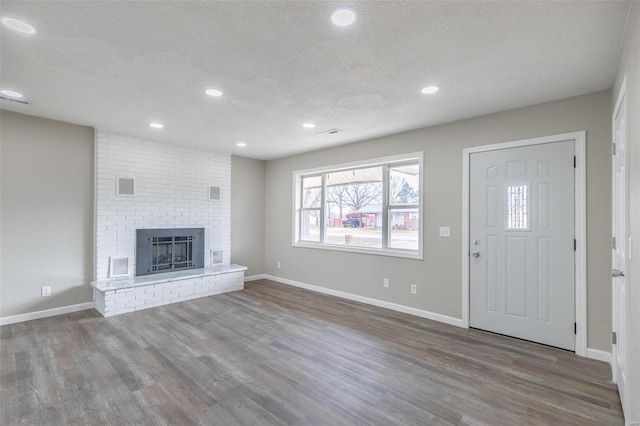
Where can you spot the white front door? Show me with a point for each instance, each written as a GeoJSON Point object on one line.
{"type": "Point", "coordinates": [619, 294]}
{"type": "Point", "coordinates": [521, 230]}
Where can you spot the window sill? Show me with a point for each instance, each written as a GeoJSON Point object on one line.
{"type": "Point", "coordinates": [415, 255]}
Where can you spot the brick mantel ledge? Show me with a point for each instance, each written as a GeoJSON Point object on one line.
{"type": "Point", "coordinates": [121, 295]}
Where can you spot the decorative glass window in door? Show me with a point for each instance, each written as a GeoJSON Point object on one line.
{"type": "Point", "coordinates": [517, 206]}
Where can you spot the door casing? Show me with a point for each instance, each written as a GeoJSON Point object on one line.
{"type": "Point", "coordinates": [580, 224]}
{"type": "Point", "coordinates": [623, 388]}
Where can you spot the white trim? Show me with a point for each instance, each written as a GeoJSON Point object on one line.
{"type": "Point", "coordinates": [46, 313]}
{"type": "Point", "coordinates": [599, 355]}
{"type": "Point", "coordinates": [621, 95]}
{"type": "Point", "coordinates": [255, 277]}
{"type": "Point", "coordinates": [580, 224]}
{"type": "Point", "coordinates": [614, 297]}
{"type": "Point", "coordinates": [580, 192]}
{"type": "Point", "coordinates": [361, 250]}
{"type": "Point", "coordinates": [370, 162]}
{"type": "Point", "coordinates": [369, 301]}
{"type": "Point", "coordinates": [624, 389]}
{"type": "Point", "coordinates": [465, 238]}
{"type": "Point", "coordinates": [94, 229]}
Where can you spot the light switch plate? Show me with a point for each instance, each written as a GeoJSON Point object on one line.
{"type": "Point", "coordinates": [445, 231]}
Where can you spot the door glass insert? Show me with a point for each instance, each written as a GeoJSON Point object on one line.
{"type": "Point", "coordinates": [517, 207]}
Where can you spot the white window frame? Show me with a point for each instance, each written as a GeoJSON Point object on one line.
{"type": "Point", "coordinates": [386, 206]}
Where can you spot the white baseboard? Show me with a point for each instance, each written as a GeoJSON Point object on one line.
{"type": "Point", "coordinates": [369, 301]}
{"type": "Point", "coordinates": [255, 277]}
{"type": "Point", "coordinates": [599, 355]}
{"type": "Point", "coordinates": [46, 313]}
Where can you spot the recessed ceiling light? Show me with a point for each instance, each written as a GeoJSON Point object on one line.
{"type": "Point", "coordinates": [156, 125]}
{"type": "Point", "coordinates": [430, 89]}
{"type": "Point", "coordinates": [11, 93]}
{"type": "Point", "coordinates": [343, 16]}
{"type": "Point", "coordinates": [18, 25]}
{"type": "Point", "coordinates": [241, 144]}
{"type": "Point", "coordinates": [213, 92]}
{"type": "Point", "coordinates": [308, 125]}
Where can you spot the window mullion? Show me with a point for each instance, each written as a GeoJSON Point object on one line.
{"type": "Point", "coordinates": [301, 210]}
{"type": "Point", "coordinates": [323, 206]}
{"type": "Point", "coordinates": [385, 206]}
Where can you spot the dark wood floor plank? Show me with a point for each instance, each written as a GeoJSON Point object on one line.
{"type": "Point", "coordinates": [279, 355]}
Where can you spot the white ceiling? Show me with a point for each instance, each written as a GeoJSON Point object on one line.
{"type": "Point", "coordinates": [120, 65]}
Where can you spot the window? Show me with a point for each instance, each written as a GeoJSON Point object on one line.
{"type": "Point", "coordinates": [372, 207]}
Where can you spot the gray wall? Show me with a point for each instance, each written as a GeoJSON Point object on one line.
{"type": "Point", "coordinates": [438, 276]}
{"type": "Point", "coordinates": [47, 213]}
{"type": "Point", "coordinates": [247, 214]}
{"type": "Point", "coordinates": [629, 66]}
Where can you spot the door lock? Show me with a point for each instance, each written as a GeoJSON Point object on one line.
{"type": "Point", "coordinates": [475, 254]}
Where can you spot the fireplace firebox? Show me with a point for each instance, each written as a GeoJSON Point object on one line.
{"type": "Point", "coordinates": [166, 250]}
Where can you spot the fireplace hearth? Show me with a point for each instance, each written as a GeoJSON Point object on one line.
{"type": "Point", "coordinates": [167, 250]}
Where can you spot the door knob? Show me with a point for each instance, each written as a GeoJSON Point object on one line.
{"type": "Point", "coordinates": [617, 273]}
{"type": "Point", "coordinates": [475, 254]}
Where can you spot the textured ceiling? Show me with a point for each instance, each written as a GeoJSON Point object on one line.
{"type": "Point", "coordinates": [120, 65]}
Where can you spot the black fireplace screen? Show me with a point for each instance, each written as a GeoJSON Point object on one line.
{"type": "Point", "coordinates": [164, 250]}
{"type": "Point", "coordinates": [171, 253]}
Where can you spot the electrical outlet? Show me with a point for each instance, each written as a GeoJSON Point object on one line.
{"type": "Point", "coordinates": [445, 231]}
{"type": "Point", "coordinates": [46, 291]}
{"type": "Point", "coordinates": [385, 283]}
{"type": "Point", "coordinates": [414, 289]}
{"type": "Point", "coordinates": [278, 265]}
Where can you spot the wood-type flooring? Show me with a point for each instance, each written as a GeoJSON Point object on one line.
{"type": "Point", "coordinates": [279, 355]}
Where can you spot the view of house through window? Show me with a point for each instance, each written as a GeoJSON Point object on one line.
{"type": "Point", "coordinates": [366, 206]}
{"type": "Point", "coordinates": [354, 200]}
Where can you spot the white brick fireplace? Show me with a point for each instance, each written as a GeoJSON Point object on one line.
{"type": "Point", "coordinates": [171, 189]}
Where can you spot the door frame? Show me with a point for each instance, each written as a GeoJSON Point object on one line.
{"type": "Point", "coordinates": [622, 95]}
{"type": "Point", "coordinates": [580, 224]}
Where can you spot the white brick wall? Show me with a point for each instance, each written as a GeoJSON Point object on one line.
{"type": "Point", "coordinates": [171, 191]}
{"type": "Point", "coordinates": [121, 301]}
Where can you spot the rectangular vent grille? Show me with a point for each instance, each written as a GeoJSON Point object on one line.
{"type": "Point", "coordinates": [329, 132]}
{"type": "Point", "coordinates": [118, 267]}
{"type": "Point", "coordinates": [20, 101]}
{"type": "Point", "coordinates": [214, 193]}
{"type": "Point", "coordinates": [216, 257]}
{"type": "Point", "coordinates": [125, 187]}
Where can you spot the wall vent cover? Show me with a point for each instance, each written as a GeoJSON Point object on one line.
{"type": "Point", "coordinates": [125, 186]}
{"type": "Point", "coordinates": [214, 193]}
{"type": "Point", "coordinates": [118, 267]}
{"type": "Point", "coordinates": [216, 257]}
{"type": "Point", "coordinates": [20, 101]}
